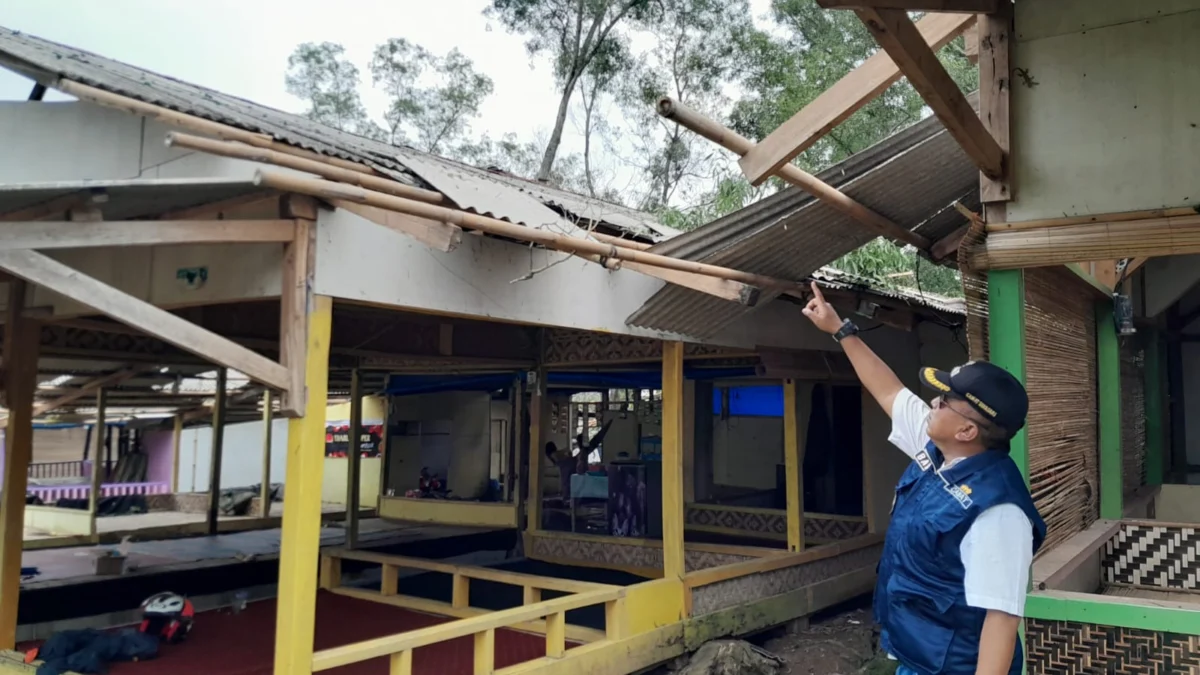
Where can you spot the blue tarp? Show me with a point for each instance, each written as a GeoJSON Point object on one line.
{"type": "Point", "coordinates": [407, 385]}
{"type": "Point", "coordinates": [751, 401]}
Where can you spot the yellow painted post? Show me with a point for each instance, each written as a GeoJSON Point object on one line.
{"type": "Point", "coordinates": [793, 471]}
{"type": "Point", "coordinates": [301, 541]}
{"type": "Point", "coordinates": [401, 663]}
{"type": "Point", "coordinates": [485, 652]}
{"type": "Point", "coordinates": [672, 461]}
{"type": "Point", "coordinates": [537, 451]}
{"type": "Point", "coordinates": [20, 365]}
{"type": "Point", "coordinates": [531, 596]}
{"type": "Point", "coordinates": [264, 490]}
{"type": "Point", "coordinates": [389, 583]}
{"type": "Point", "coordinates": [176, 443]}
{"type": "Point", "coordinates": [353, 459]}
{"type": "Point", "coordinates": [460, 594]}
{"type": "Point", "coordinates": [556, 635]}
{"type": "Point", "coordinates": [97, 458]}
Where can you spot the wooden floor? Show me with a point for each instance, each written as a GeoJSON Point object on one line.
{"type": "Point", "coordinates": [77, 564]}
{"type": "Point", "coordinates": [243, 644]}
{"type": "Point", "coordinates": [140, 521]}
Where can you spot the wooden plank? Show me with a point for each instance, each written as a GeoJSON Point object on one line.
{"type": "Point", "coordinates": [327, 659]}
{"type": "Point", "coordinates": [994, 43]}
{"type": "Point", "coordinates": [1059, 563]}
{"type": "Point", "coordinates": [556, 635]}
{"type": "Point", "coordinates": [948, 245]}
{"type": "Point", "coordinates": [176, 445]}
{"type": "Point", "coordinates": [538, 427]}
{"type": "Point", "coordinates": [300, 544]}
{"type": "Point", "coordinates": [436, 234]}
{"type": "Point", "coordinates": [837, 103]}
{"type": "Point", "coordinates": [98, 465]}
{"type": "Point", "coordinates": [46, 234]}
{"type": "Point", "coordinates": [734, 291]}
{"type": "Point", "coordinates": [293, 313]}
{"type": "Point", "coordinates": [57, 206]}
{"type": "Point", "coordinates": [45, 271]}
{"type": "Point", "coordinates": [947, 6]}
{"type": "Point", "coordinates": [264, 494]}
{"type": "Point", "coordinates": [713, 575]}
{"type": "Point", "coordinates": [219, 210]}
{"type": "Point", "coordinates": [21, 339]}
{"type": "Point", "coordinates": [353, 459]}
{"type": "Point", "coordinates": [674, 554]}
{"type": "Point", "coordinates": [971, 44]}
{"type": "Point", "coordinates": [897, 34]}
{"type": "Point", "coordinates": [218, 449]}
{"type": "Point", "coordinates": [485, 652]}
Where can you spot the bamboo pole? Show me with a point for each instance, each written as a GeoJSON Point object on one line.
{"type": "Point", "coordinates": [321, 168]}
{"type": "Point", "coordinates": [175, 118]}
{"type": "Point", "coordinates": [1098, 219]}
{"type": "Point", "coordinates": [739, 145]}
{"type": "Point", "coordinates": [473, 221]}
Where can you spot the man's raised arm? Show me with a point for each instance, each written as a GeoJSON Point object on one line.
{"type": "Point", "coordinates": [874, 374]}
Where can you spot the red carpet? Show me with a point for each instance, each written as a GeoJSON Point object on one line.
{"type": "Point", "coordinates": [243, 644]}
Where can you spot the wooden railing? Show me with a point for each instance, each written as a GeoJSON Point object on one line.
{"type": "Point", "coordinates": [70, 469]}
{"type": "Point", "coordinates": [544, 616]}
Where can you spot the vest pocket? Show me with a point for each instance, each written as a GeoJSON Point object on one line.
{"type": "Point", "coordinates": [915, 633]}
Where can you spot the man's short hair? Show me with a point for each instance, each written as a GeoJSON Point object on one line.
{"type": "Point", "coordinates": [992, 436]}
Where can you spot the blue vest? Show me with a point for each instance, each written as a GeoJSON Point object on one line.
{"type": "Point", "coordinates": [919, 599]}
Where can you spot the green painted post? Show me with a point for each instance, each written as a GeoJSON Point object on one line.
{"type": "Point", "coordinates": [1108, 369]}
{"type": "Point", "coordinates": [1155, 412]}
{"type": "Point", "coordinates": [1006, 341]}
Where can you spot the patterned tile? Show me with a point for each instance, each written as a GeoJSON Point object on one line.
{"type": "Point", "coordinates": [772, 523]}
{"type": "Point", "coordinates": [1151, 556]}
{"type": "Point", "coordinates": [1070, 648]}
{"type": "Point", "coordinates": [617, 555]}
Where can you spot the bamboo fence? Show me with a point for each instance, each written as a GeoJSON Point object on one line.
{"type": "Point", "coordinates": [1060, 351]}
{"type": "Point", "coordinates": [975, 293]}
{"type": "Point", "coordinates": [1133, 415]}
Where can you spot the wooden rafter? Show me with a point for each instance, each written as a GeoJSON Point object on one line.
{"type": "Point", "coordinates": [961, 6]}
{"type": "Point", "coordinates": [898, 36]}
{"type": "Point", "coordinates": [85, 389]}
{"type": "Point", "coordinates": [293, 315]}
{"type": "Point", "coordinates": [839, 102]}
{"type": "Point", "coordinates": [44, 271]}
{"type": "Point", "coordinates": [48, 234]}
{"type": "Point", "coordinates": [433, 233]}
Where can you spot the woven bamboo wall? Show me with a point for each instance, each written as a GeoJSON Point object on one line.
{"type": "Point", "coordinates": [1070, 648]}
{"type": "Point", "coordinates": [1133, 415]}
{"type": "Point", "coordinates": [1060, 367]}
{"type": "Point", "coordinates": [975, 294]}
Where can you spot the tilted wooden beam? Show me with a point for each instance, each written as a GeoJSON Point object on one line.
{"type": "Point", "coordinates": [947, 246]}
{"type": "Point", "coordinates": [1097, 241]}
{"type": "Point", "coordinates": [44, 271]}
{"type": "Point", "coordinates": [837, 103]}
{"type": "Point", "coordinates": [897, 34]}
{"type": "Point", "coordinates": [963, 6]}
{"type": "Point", "coordinates": [47, 234]}
{"type": "Point", "coordinates": [738, 144]}
{"type": "Point", "coordinates": [433, 233]}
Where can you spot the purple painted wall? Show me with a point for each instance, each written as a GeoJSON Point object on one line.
{"type": "Point", "coordinates": [159, 455]}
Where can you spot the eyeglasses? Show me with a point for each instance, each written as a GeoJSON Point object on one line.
{"type": "Point", "coordinates": [941, 402]}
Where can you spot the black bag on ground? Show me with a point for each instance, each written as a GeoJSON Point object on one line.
{"type": "Point", "coordinates": [90, 651]}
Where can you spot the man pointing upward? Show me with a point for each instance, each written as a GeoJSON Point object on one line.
{"type": "Point", "coordinates": [955, 565]}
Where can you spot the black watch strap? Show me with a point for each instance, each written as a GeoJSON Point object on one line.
{"type": "Point", "coordinates": [848, 328]}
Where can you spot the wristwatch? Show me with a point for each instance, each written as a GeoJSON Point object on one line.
{"type": "Point", "coordinates": [848, 328]}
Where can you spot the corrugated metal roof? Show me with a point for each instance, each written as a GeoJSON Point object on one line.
{"type": "Point", "coordinates": [128, 198]}
{"type": "Point", "coordinates": [912, 177]}
{"type": "Point", "coordinates": [477, 189]}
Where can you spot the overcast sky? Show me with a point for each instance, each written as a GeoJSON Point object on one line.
{"type": "Point", "coordinates": [241, 46]}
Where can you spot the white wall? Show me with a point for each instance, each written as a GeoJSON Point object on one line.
{"type": "Point", "coordinates": [241, 459]}
{"type": "Point", "coordinates": [1111, 124]}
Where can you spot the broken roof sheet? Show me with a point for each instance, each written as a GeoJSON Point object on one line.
{"type": "Point", "coordinates": [472, 189]}
{"type": "Point", "coordinates": [913, 178]}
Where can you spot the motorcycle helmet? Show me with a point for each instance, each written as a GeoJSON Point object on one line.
{"type": "Point", "coordinates": [167, 615]}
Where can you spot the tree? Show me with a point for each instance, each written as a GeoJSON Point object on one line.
{"type": "Point", "coordinates": [320, 75]}
{"type": "Point", "coordinates": [522, 159]}
{"type": "Point", "coordinates": [435, 97]}
{"type": "Point", "coordinates": [573, 32]}
{"type": "Point", "coordinates": [695, 55]}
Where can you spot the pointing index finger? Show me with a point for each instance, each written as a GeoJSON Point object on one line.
{"type": "Point", "coordinates": [816, 291]}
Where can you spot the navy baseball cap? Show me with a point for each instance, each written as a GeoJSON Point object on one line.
{"type": "Point", "coordinates": [988, 388]}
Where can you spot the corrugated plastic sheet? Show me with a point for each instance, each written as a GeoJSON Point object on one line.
{"type": "Point", "coordinates": [913, 178]}
{"type": "Point", "coordinates": [470, 188]}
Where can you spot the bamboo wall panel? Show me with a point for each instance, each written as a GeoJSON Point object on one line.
{"type": "Point", "coordinates": [1133, 415]}
{"type": "Point", "coordinates": [1071, 648]}
{"type": "Point", "coordinates": [1152, 237]}
{"type": "Point", "coordinates": [975, 295]}
{"type": "Point", "coordinates": [1060, 343]}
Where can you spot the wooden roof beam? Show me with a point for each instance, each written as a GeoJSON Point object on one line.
{"type": "Point", "coordinates": [960, 6]}
{"type": "Point", "coordinates": [900, 38]}
{"type": "Point", "coordinates": [837, 103]}
{"type": "Point", "coordinates": [47, 234]}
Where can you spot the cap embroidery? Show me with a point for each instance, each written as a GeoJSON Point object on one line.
{"type": "Point", "coordinates": [933, 381]}
{"type": "Point", "coordinates": [985, 407]}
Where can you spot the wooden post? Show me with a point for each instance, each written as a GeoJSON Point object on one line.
{"type": "Point", "coordinates": [1155, 412]}
{"type": "Point", "coordinates": [300, 546]}
{"type": "Point", "coordinates": [353, 459]}
{"type": "Point", "coordinates": [218, 447]}
{"type": "Point", "coordinates": [516, 436]}
{"type": "Point", "coordinates": [792, 469]}
{"type": "Point", "coordinates": [176, 443]}
{"type": "Point", "coordinates": [537, 452]}
{"type": "Point", "coordinates": [994, 37]}
{"type": "Point", "coordinates": [21, 342]}
{"type": "Point", "coordinates": [97, 462]}
{"type": "Point", "coordinates": [1006, 342]}
{"type": "Point", "coordinates": [264, 490]}
{"type": "Point", "coordinates": [672, 461]}
{"type": "Point", "coordinates": [1108, 371]}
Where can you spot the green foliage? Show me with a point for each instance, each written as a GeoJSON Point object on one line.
{"type": "Point", "coordinates": [884, 264]}
{"type": "Point", "coordinates": [321, 75]}
{"type": "Point", "coordinates": [731, 194]}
